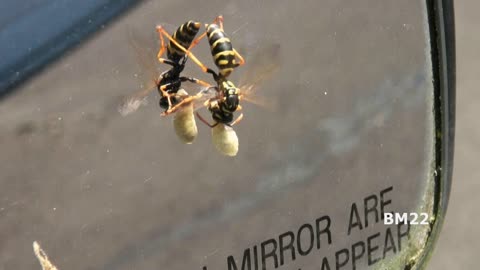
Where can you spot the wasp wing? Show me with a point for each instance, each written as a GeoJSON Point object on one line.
{"type": "Point", "coordinates": [146, 49]}
{"type": "Point", "coordinates": [145, 55]}
{"type": "Point", "coordinates": [202, 97]}
{"type": "Point", "coordinates": [262, 66]}
{"type": "Point", "coordinates": [145, 46]}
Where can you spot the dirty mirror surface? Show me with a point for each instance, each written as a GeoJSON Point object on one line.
{"type": "Point", "coordinates": [350, 135]}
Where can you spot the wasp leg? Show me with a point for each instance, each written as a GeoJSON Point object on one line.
{"type": "Point", "coordinates": [205, 121]}
{"type": "Point", "coordinates": [181, 103]}
{"type": "Point", "coordinates": [167, 61]}
{"type": "Point", "coordinates": [162, 49]}
{"type": "Point", "coordinates": [197, 40]}
{"type": "Point", "coordinates": [186, 100]}
{"type": "Point", "coordinates": [219, 20]}
{"type": "Point", "coordinates": [242, 61]}
{"type": "Point", "coordinates": [195, 80]}
{"type": "Point", "coordinates": [164, 91]}
{"type": "Point", "coordinates": [204, 68]}
{"type": "Point", "coordinates": [239, 118]}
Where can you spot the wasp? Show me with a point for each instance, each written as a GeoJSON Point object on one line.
{"type": "Point", "coordinates": [263, 65]}
{"type": "Point", "coordinates": [221, 48]}
{"type": "Point", "coordinates": [227, 96]}
{"type": "Point", "coordinates": [169, 82]}
{"type": "Point", "coordinates": [225, 58]}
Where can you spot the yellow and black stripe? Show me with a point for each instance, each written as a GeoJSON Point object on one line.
{"type": "Point", "coordinates": [221, 115]}
{"type": "Point", "coordinates": [184, 36]}
{"type": "Point", "coordinates": [222, 50]}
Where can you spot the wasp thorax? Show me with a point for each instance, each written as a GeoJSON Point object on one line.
{"type": "Point", "coordinates": [231, 102]}
{"type": "Point", "coordinates": [231, 97]}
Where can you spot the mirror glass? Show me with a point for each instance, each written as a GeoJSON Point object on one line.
{"type": "Point", "coordinates": [344, 135]}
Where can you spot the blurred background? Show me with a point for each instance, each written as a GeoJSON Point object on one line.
{"type": "Point", "coordinates": [459, 241]}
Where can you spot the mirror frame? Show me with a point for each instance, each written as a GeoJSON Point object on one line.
{"type": "Point", "coordinates": [442, 39]}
